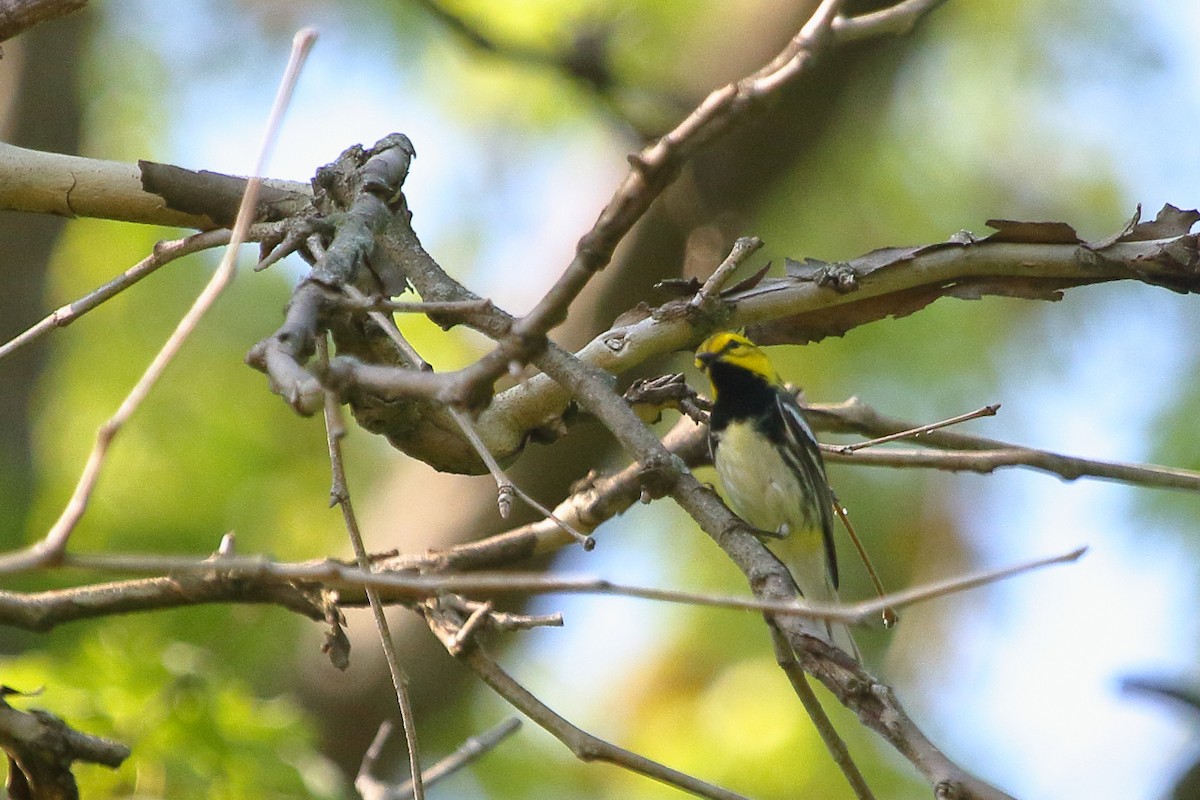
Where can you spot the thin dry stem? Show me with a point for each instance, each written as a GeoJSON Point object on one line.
{"type": "Point", "coordinates": [913, 433]}
{"type": "Point", "coordinates": [54, 544]}
{"type": "Point", "coordinates": [408, 587]}
{"type": "Point", "coordinates": [585, 746]}
{"type": "Point", "coordinates": [829, 735]}
{"type": "Point", "coordinates": [164, 253]}
{"type": "Point", "coordinates": [896, 20]}
{"type": "Point", "coordinates": [468, 752]}
{"type": "Point", "coordinates": [340, 492]}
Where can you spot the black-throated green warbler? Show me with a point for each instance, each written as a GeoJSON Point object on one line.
{"type": "Point", "coordinates": [769, 464]}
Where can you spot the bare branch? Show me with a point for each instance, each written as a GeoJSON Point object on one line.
{"type": "Point", "coordinates": [20, 15]}
{"type": "Point", "coordinates": [964, 452]}
{"type": "Point", "coordinates": [164, 253]}
{"type": "Point", "coordinates": [340, 494]}
{"type": "Point", "coordinates": [257, 579]}
{"type": "Point", "coordinates": [654, 168]}
{"type": "Point", "coordinates": [886, 283]}
{"type": "Point", "coordinates": [897, 20]}
{"type": "Point", "coordinates": [829, 735]}
{"type": "Point", "coordinates": [73, 186]}
{"type": "Point", "coordinates": [471, 750]}
{"type": "Point", "coordinates": [44, 611]}
{"type": "Point", "coordinates": [51, 548]}
{"type": "Point", "coordinates": [41, 749]}
{"type": "Point", "coordinates": [584, 745]}
{"type": "Point", "coordinates": [913, 433]}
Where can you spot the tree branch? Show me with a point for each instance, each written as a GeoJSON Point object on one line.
{"type": "Point", "coordinates": [164, 253]}
{"type": "Point", "coordinates": [17, 16]}
{"type": "Point", "coordinates": [72, 186]}
{"type": "Point", "coordinates": [829, 735]}
{"type": "Point", "coordinates": [41, 749]}
{"type": "Point", "coordinates": [582, 744]}
{"type": "Point", "coordinates": [896, 20]}
{"type": "Point", "coordinates": [964, 452]}
{"type": "Point", "coordinates": [656, 166]}
{"type": "Point", "coordinates": [474, 748]}
{"type": "Point", "coordinates": [256, 579]}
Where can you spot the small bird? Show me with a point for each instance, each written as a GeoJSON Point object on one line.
{"type": "Point", "coordinates": [767, 458]}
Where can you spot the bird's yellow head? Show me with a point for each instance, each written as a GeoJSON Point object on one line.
{"type": "Point", "coordinates": [734, 350]}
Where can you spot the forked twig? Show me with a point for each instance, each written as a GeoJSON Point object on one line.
{"type": "Point", "coordinates": [743, 248]}
{"type": "Point", "coordinates": [472, 749]}
{"type": "Point", "coordinates": [584, 745]}
{"type": "Point", "coordinates": [506, 487]}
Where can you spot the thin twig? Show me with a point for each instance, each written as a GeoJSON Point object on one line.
{"type": "Point", "coordinates": [335, 429]}
{"type": "Point", "coordinates": [743, 248]}
{"type": "Point", "coordinates": [929, 591]}
{"type": "Point", "coordinates": [471, 750]}
{"type": "Point", "coordinates": [584, 745]}
{"type": "Point", "coordinates": [164, 253]}
{"type": "Point", "coordinates": [335, 575]}
{"type": "Point", "coordinates": [505, 487]}
{"type": "Point", "coordinates": [446, 307]}
{"type": "Point", "coordinates": [52, 547]}
{"type": "Point", "coordinates": [896, 20]}
{"type": "Point", "coordinates": [889, 614]}
{"type": "Point", "coordinates": [829, 735]}
{"type": "Point", "coordinates": [913, 433]}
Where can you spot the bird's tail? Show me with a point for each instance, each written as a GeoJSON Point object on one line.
{"type": "Point", "coordinates": [839, 634]}
{"type": "Point", "coordinates": [818, 588]}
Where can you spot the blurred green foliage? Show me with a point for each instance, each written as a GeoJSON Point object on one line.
{"type": "Point", "coordinates": [196, 727]}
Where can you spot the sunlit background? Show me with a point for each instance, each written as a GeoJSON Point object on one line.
{"type": "Point", "coordinates": [1072, 110]}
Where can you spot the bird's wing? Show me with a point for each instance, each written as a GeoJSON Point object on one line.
{"type": "Point", "coordinates": [804, 457]}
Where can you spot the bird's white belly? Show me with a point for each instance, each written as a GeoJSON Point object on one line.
{"type": "Point", "coordinates": [759, 485]}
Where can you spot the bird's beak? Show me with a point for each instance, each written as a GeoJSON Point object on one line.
{"type": "Point", "coordinates": [705, 360]}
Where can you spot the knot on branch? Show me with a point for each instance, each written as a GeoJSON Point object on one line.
{"type": "Point", "coordinates": [949, 790]}
{"type": "Point", "coordinates": [649, 397]}
{"type": "Point", "coordinates": [658, 474]}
